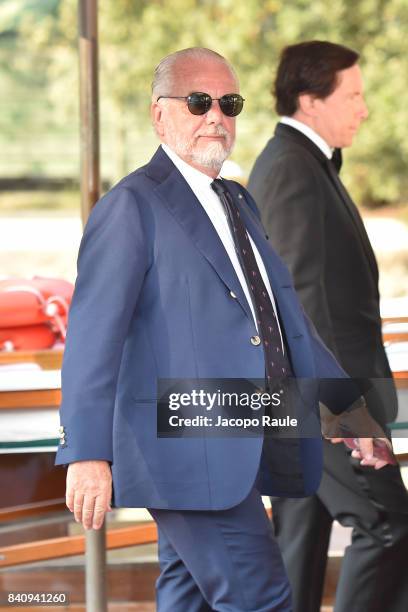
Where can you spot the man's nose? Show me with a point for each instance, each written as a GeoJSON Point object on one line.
{"type": "Point", "coordinates": [214, 114]}
{"type": "Point", "coordinates": [363, 110]}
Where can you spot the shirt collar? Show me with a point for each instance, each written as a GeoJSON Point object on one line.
{"type": "Point", "coordinates": [311, 134]}
{"type": "Point", "coordinates": [194, 177]}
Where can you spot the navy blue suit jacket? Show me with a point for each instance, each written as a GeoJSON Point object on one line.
{"type": "Point", "coordinates": [153, 300]}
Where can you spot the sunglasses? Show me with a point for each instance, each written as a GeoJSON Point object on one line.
{"type": "Point", "coordinates": [199, 103]}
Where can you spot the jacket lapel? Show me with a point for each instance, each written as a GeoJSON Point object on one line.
{"type": "Point", "coordinates": [179, 199]}
{"type": "Point", "coordinates": [288, 132]}
{"type": "Point", "coordinates": [355, 217]}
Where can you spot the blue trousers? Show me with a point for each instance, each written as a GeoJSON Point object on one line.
{"type": "Point", "coordinates": [222, 561]}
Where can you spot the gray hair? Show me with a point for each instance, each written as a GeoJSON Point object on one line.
{"type": "Point", "coordinates": [164, 74]}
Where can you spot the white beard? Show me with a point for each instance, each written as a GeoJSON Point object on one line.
{"type": "Point", "coordinates": [213, 156]}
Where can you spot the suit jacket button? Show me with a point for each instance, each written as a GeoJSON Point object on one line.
{"type": "Point", "coordinates": [255, 340]}
{"type": "Point", "coordinates": [233, 295]}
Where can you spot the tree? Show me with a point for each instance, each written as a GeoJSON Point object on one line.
{"type": "Point", "coordinates": [136, 34]}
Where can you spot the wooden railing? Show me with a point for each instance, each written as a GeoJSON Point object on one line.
{"type": "Point", "coordinates": [394, 335]}
{"type": "Point", "coordinates": [23, 511]}
{"type": "Point", "coordinates": [18, 400]}
{"type": "Point", "coordinates": [55, 548]}
{"type": "Point", "coordinates": [46, 359]}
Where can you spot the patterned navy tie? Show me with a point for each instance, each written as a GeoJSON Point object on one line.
{"type": "Point", "coordinates": [281, 457]}
{"type": "Point", "coordinates": [277, 364]}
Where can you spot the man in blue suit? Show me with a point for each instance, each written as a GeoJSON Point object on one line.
{"type": "Point", "coordinates": [176, 280]}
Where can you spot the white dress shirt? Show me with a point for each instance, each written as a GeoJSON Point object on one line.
{"type": "Point", "coordinates": [311, 134]}
{"type": "Point", "coordinates": [200, 184]}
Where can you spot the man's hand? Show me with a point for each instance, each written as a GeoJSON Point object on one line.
{"type": "Point", "coordinates": [89, 492]}
{"type": "Point", "coordinates": [375, 452]}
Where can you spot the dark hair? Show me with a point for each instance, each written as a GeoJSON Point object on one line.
{"type": "Point", "coordinates": [309, 67]}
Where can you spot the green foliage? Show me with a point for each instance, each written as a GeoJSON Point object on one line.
{"type": "Point", "coordinates": [136, 34]}
{"type": "Point", "coordinates": [12, 12]}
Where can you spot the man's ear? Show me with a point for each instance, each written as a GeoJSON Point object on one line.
{"type": "Point", "coordinates": [156, 113]}
{"type": "Point", "coordinates": [307, 104]}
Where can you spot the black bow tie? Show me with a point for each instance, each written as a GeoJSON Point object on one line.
{"type": "Point", "coordinates": [337, 159]}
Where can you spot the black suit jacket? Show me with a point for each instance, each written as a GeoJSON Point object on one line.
{"type": "Point", "coordinates": [316, 228]}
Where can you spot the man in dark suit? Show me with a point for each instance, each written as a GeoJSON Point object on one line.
{"type": "Point", "coordinates": [316, 228]}
{"type": "Point", "coordinates": [166, 291]}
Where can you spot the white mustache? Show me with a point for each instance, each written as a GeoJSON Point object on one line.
{"type": "Point", "coordinates": [219, 131]}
